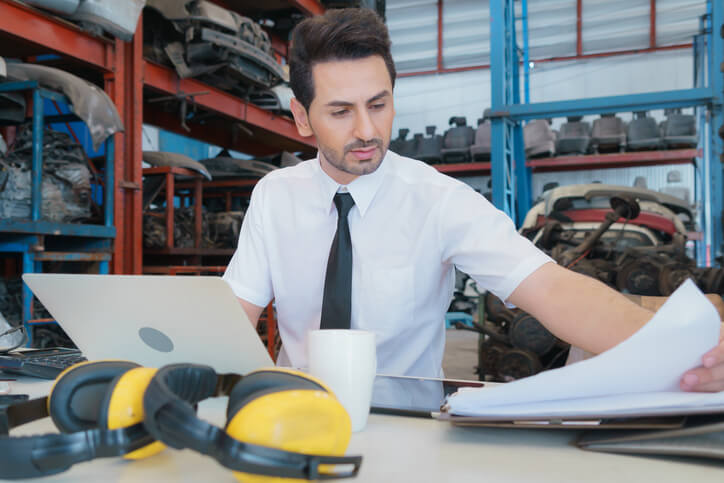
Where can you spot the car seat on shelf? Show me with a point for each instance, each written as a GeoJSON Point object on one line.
{"type": "Point", "coordinates": [679, 130]}
{"type": "Point", "coordinates": [608, 134]}
{"type": "Point", "coordinates": [402, 145]}
{"type": "Point", "coordinates": [539, 139]}
{"type": "Point", "coordinates": [429, 148]}
{"type": "Point", "coordinates": [457, 141]}
{"type": "Point", "coordinates": [480, 150]}
{"type": "Point", "coordinates": [643, 133]}
{"type": "Point", "coordinates": [574, 136]}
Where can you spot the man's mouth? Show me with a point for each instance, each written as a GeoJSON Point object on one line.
{"type": "Point", "coordinates": [364, 153]}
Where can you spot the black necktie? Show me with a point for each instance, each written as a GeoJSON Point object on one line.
{"type": "Point", "coordinates": [337, 300]}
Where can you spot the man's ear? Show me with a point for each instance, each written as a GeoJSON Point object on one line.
{"type": "Point", "coordinates": [300, 118]}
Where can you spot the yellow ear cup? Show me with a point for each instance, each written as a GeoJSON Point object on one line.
{"type": "Point", "coordinates": [125, 407]}
{"type": "Point", "coordinates": [301, 420]}
{"type": "Point", "coordinates": [77, 395]}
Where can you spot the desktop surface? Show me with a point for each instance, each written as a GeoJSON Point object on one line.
{"type": "Point", "coordinates": [402, 449]}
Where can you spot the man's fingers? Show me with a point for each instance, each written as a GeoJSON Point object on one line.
{"type": "Point", "coordinates": [714, 357]}
{"type": "Point", "coordinates": [704, 379]}
{"type": "Point", "coordinates": [715, 386]}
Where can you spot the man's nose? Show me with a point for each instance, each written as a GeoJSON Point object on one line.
{"type": "Point", "coordinates": [364, 128]}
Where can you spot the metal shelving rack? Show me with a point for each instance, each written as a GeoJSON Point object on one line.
{"type": "Point", "coordinates": [263, 133]}
{"type": "Point", "coordinates": [26, 32]}
{"type": "Point", "coordinates": [41, 241]}
{"type": "Point", "coordinates": [511, 174]}
{"type": "Point", "coordinates": [582, 162]}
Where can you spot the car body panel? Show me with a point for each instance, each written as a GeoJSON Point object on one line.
{"type": "Point", "coordinates": [88, 101]}
{"type": "Point", "coordinates": [119, 18]}
{"type": "Point", "coordinates": [161, 158]}
{"type": "Point", "coordinates": [227, 167]}
{"type": "Point", "coordinates": [596, 195]}
{"type": "Point", "coordinates": [203, 40]}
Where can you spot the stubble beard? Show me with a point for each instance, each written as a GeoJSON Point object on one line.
{"type": "Point", "coordinates": [356, 168]}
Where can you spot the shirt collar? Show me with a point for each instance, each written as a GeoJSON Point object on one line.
{"type": "Point", "coordinates": [362, 189]}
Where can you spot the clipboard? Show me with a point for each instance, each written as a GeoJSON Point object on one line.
{"type": "Point", "coordinates": [630, 423]}
{"type": "Point", "coordinates": [699, 437]}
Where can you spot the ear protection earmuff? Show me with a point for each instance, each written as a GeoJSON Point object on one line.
{"type": "Point", "coordinates": [281, 423]}
{"type": "Point", "coordinates": [99, 409]}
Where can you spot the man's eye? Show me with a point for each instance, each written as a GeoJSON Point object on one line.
{"type": "Point", "coordinates": [378, 106]}
{"type": "Point", "coordinates": [339, 113]}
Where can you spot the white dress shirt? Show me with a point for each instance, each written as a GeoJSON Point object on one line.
{"type": "Point", "coordinates": [410, 226]}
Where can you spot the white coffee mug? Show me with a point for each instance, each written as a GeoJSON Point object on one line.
{"type": "Point", "coordinates": [345, 360]}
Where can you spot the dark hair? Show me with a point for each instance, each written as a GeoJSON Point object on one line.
{"type": "Point", "coordinates": [339, 34]}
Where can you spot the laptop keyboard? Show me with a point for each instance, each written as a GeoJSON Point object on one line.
{"type": "Point", "coordinates": [42, 363]}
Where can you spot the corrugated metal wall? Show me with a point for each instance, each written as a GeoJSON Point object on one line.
{"type": "Point", "coordinates": [607, 25]}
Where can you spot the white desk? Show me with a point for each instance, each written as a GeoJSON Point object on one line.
{"type": "Point", "coordinates": [398, 449]}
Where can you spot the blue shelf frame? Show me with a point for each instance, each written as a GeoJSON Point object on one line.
{"type": "Point", "coordinates": [510, 176]}
{"type": "Point", "coordinates": [93, 242]}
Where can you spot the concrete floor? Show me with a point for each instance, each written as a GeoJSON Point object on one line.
{"type": "Point", "coordinates": [461, 354]}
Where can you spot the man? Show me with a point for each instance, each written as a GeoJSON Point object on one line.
{"type": "Point", "coordinates": [408, 226]}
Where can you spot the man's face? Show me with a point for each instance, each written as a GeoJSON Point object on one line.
{"type": "Point", "coordinates": [351, 116]}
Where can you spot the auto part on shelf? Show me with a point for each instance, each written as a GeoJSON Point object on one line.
{"type": "Point", "coordinates": [513, 343]}
{"type": "Point", "coordinates": [66, 180]}
{"type": "Point", "coordinates": [527, 333]}
{"type": "Point", "coordinates": [482, 144]}
{"type": "Point", "coordinates": [278, 99]}
{"type": "Point", "coordinates": [88, 101]}
{"type": "Point", "coordinates": [624, 206]}
{"type": "Point", "coordinates": [228, 167]}
{"type": "Point", "coordinates": [608, 134]}
{"type": "Point", "coordinates": [679, 130]}
{"type": "Point", "coordinates": [643, 133]}
{"type": "Point", "coordinates": [429, 148]}
{"type": "Point", "coordinates": [638, 247]}
{"type": "Point", "coordinates": [201, 39]}
{"type": "Point", "coordinates": [154, 228]}
{"type": "Point", "coordinates": [160, 158]}
{"type": "Point", "coordinates": [11, 302]}
{"type": "Point", "coordinates": [596, 196]}
{"type": "Point", "coordinates": [287, 159]}
{"type": "Point", "coordinates": [402, 145]}
{"type": "Point", "coordinates": [539, 139]}
{"type": "Point", "coordinates": [118, 18]}
{"type": "Point", "coordinates": [517, 364]}
{"type": "Point", "coordinates": [12, 108]}
{"type": "Point", "coordinates": [457, 141]}
{"type": "Point", "coordinates": [224, 228]}
{"type": "Point", "coordinates": [574, 136]}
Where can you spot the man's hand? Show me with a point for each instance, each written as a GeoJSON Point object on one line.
{"type": "Point", "coordinates": [710, 376]}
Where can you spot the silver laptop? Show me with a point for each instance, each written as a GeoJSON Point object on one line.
{"type": "Point", "coordinates": [153, 319]}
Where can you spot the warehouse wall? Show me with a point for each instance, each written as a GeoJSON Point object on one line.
{"type": "Point", "coordinates": [607, 25]}
{"type": "Point", "coordinates": [432, 99]}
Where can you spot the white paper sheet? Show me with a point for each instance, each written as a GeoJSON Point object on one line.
{"type": "Point", "coordinates": [643, 372]}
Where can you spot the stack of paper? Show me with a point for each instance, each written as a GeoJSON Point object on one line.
{"type": "Point", "coordinates": [638, 377]}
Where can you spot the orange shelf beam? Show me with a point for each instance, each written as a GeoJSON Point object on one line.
{"type": "Point", "coordinates": [165, 80]}
{"type": "Point", "coordinates": [46, 34]}
{"type": "Point", "coordinates": [310, 7]}
{"type": "Point", "coordinates": [614, 160]}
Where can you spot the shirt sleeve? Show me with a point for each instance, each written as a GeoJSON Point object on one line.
{"type": "Point", "coordinates": [248, 272]}
{"type": "Point", "coordinates": [482, 242]}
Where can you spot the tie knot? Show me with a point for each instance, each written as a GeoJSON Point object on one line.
{"type": "Point", "coordinates": [344, 202]}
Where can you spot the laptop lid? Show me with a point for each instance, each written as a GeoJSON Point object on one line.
{"type": "Point", "coordinates": [153, 319]}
